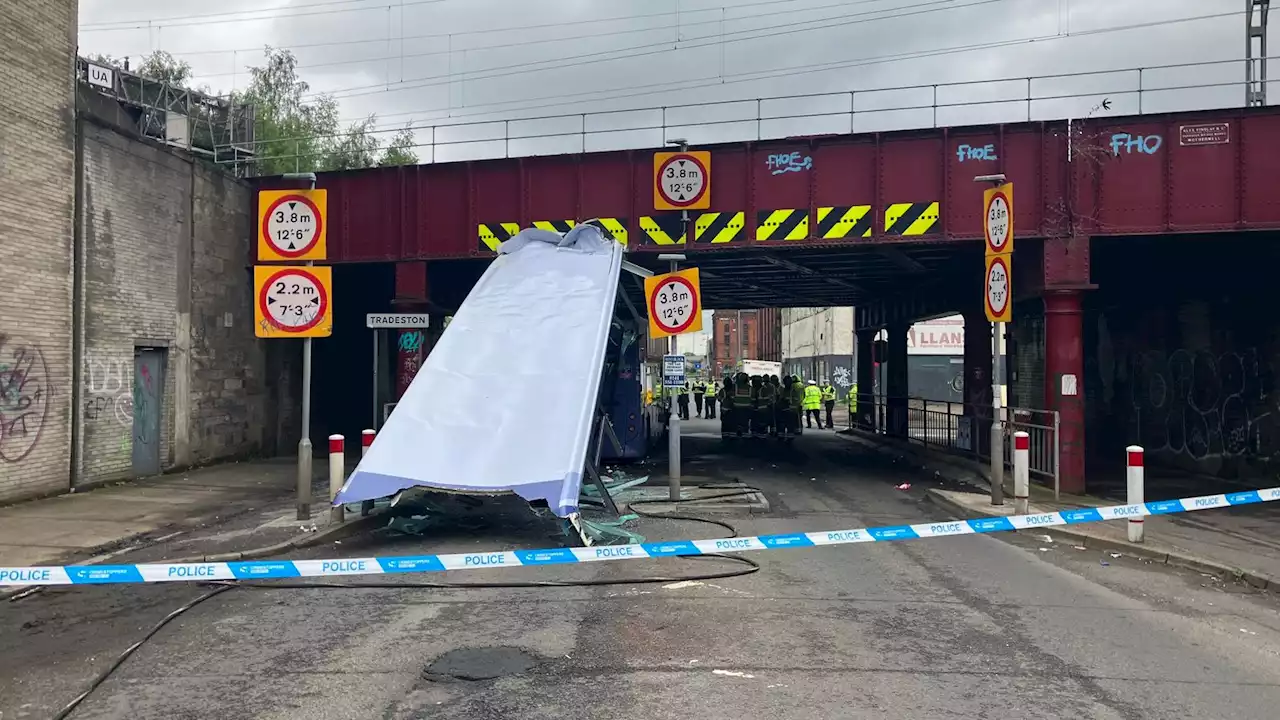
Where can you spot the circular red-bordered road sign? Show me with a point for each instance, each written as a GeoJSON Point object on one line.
{"type": "Point", "coordinates": [308, 243]}
{"type": "Point", "coordinates": [695, 197]}
{"type": "Point", "coordinates": [1002, 200]}
{"type": "Point", "coordinates": [264, 303]}
{"type": "Point", "coordinates": [993, 311]}
{"type": "Point", "coordinates": [655, 311]}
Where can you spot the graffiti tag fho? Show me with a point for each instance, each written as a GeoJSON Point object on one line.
{"type": "Point", "coordinates": [1142, 144]}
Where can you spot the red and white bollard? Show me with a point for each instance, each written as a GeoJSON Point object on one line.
{"type": "Point", "coordinates": [1136, 480]}
{"type": "Point", "coordinates": [366, 441]}
{"type": "Point", "coordinates": [1021, 472]}
{"type": "Point", "coordinates": [337, 469]}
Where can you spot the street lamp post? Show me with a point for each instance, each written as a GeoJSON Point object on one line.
{"type": "Point", "coordinates": [673, 414]}
{"type": "Point", "coordinates": [304, 443]}
{"type": "Point", "coordinates": [997, 429]}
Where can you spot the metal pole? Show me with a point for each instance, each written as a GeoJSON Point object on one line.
{"type": "Point", "coordinates": [1134, 480]}
{"type": "Point", "coordinates": [1057, 453]}
{"type": "Point", "coordinates": [1021, 472]}
{"type": "Point", "coordinates": [376, 332]}
{"type": "Point", "coordinates": [673, 425]}
{"type": "Point", "coordinates": [304, 442]}
{"type": "Point", "coordinates": [337, 473]}
{"type": "Point", "coordinates": [997, 436]}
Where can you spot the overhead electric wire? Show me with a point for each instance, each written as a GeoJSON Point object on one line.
{"type": "Point", "coordinates": [202, 19]}
{"type": "Point", "coordinates": [566, 38]}
{"type": "Point", "coordinates": [538, 26]}
{"type": "Point", "coordinates": [655, 88]}
{"type": "Point", "coordinates": [665, 47]}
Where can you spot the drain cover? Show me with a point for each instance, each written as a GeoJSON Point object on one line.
{"type": "Point", "coordinates": [483, 663]}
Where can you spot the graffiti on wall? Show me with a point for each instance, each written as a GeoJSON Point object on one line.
{"type": "Point", "coordinates": [976, 152]}
{"type": "Point", "coordinates": [1144, 144]}
{"type": "Point", "coordinates": [779, 163]}
{"type": "Point", "coordinates": [25, 392]}
{"type": "Point", "coordinates": [146, 403]}
{"type": "Point", "coordinates": [1204, 407]}
{"type": "Point", "coordinates": [108, 395]}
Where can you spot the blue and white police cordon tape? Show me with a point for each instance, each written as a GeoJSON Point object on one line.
{"type": "Point", "coordinates": [275, 569]}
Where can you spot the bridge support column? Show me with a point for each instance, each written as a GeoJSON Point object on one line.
{"type": "Point", "coordinates": [977, 382]}
{"type": "Point", "coordinates": [865, 377]}
{"type": "Point", "coordinates": [897, 384]}
{"type": "Point", "coordinates": [1066, 276]}
{"type": "Point", "coordinates": [410, 345]}
{"type": "Point", "coordinates": [1064, 375]}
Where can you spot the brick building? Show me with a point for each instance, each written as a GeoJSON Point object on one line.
{"type": "Point", "coordinates": [745, 335]}
{"type": "Point", "coordinates": [37, 200]}
{"type": "Point", "coordinates": [126, 341]}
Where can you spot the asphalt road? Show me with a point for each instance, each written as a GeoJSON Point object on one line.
{"type": "Point", "coordinates": [967, 627]}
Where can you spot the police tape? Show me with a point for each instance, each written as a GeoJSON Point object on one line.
{"type": "Point", "coordinates": [278, 569]}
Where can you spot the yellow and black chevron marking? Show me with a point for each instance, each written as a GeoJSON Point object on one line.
{"type": "Point", "coordinates": [559, 226]}
{"type": "Point", "coordinates": [613, 228]}
{"type": "Point", "coordinates": [719, 227]}
{"type": "Point", "coordinates": [782, 224]}
{"type": "Point", "coordinates": [666, 229]}
{"type": "Point", "coordinates": [844, 222]}
{"type": "Point", "coordinates": [910, 218]}
{"type": "Point", "coordinates": [494, 234]}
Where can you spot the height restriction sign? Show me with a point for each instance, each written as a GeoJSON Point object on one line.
{"type": "Point", "coordinates": [997, 214]}
{"type": "Point", "coordinates": [293, 301]}
{"type": "Point", "coordinates": [999, 294]}
{"type": "Point", "coordinates": [675, 303]}
{"type": "Point", "coordinates": [682, 180]}
{"type": "Point", "coordinates": [291, 224]}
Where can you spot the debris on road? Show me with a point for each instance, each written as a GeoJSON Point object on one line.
{"type": "Point", "coordinates": [903, 486]}
{"type": "Point", "coordinates": [733, 673]}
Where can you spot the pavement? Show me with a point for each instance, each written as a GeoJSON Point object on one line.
{"type": "Point", "coordinates": [245, 509]}
{"type": "Point", "coordinates": [1242, 541]}
{"type": "Point", "coordinates": [1225, 540]}
{"type": "Point", "coordinates": [958, 627]}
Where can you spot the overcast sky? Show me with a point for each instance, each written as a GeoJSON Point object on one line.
{"type": "Point", "coordinates": [437, 61]}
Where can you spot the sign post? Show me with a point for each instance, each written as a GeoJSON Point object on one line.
{"type": "Point", "coordinates": [291, 227]}
{"type": "Point", "coordinates": [997, 229]}
{"type": "Point", "coordinates": [674, 302]}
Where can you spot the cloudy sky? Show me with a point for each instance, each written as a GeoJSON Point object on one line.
{"type": "Point", "coordinates": [437, 62]}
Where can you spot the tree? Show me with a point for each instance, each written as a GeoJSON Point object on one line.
{"type": "Point", "coordinates": [300, 131]}
{"type": "Point", "coordinates": [400, 150]}
{"type": "Point", "coordinates": [354, 148]}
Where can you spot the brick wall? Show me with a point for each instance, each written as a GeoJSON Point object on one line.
{"type": "Point", "coordinates": [37, 160]}
{"type": "Point", "coordinates": [136, 214]}
{"type": "Point", "coordinates": [168, 266]}
{"type": "Point", "coordinates": [229, 387]}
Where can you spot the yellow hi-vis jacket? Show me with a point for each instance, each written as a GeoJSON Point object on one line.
{"type": "Point", "coordinates": [812, 398]}
{"type": "Point", "coordinates": [853, 398]}
{"type": "Point", "coordinates": [828, 394]}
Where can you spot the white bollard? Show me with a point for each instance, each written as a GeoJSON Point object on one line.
{"type": "Point", "coordinates": [337, 471]}
{"type": "Point", "coordinates": [366, 440]}
{"type": "Point", "coordinates": [1021, 472]}
{"type": "Point", "coordinates": [1134, 476]}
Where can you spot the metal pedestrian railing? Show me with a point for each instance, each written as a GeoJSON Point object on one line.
{"type": "Point", "coordinates": [964, 428]}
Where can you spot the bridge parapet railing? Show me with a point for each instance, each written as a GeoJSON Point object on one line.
{"type": "Point", "coordinates": [964, 429]}
{"type": "Point", "coordinates": [507, 131]}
